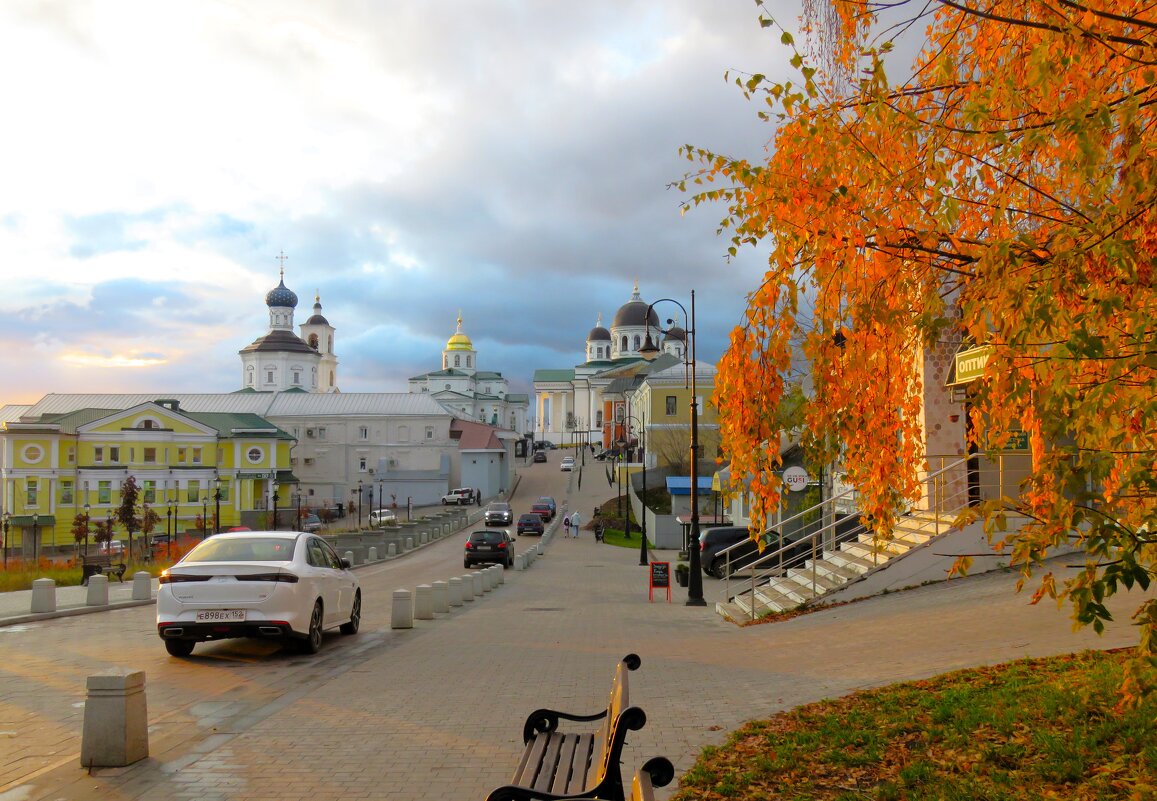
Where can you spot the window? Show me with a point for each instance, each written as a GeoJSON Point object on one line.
{"type": "Point", "coordinates": [623, 347]}
{"type": "Point", "coordinates": [637, 342]}
{"type": "Point", "coordinates": [32, 492]}
{"type": "Point", "coordinates": [66, 492]}
{"type": "Point", "coordinates": [196, 456]}
{"type": "Point", "coordinates": [72, 454]}
{"type": "Point", "coordinates": [98, 455]}
{"type": "Point", "coordinates": [297, 377]}
{"type": "Point", "coordinates": [150, 455]}
{"type": "Point", "coordinates": [223, 490]}
{"type": "Point", "coordinates": [313, 341]}
{"type": "Point", "coordinates": [467, 361]}
{"type": "Point", "coordinates": [321, 433]}
{"type": "Point", "coordinates": [149, 424]}
{"type": "Point", "coordinates": [672, 404]}
{"type": "Point", "coordinates": [254, 455]}
{"type": "Point", "coordinates": [193, 492]}
{"type": "Point", "coordinates": [599, 418]}
{"type": "Point", "coordinates": [150, 492]}
{"type": "Point", "coordinates": [363, 432]}
{"type": "Point", "coordinates": [114, 454]}
{"type": "Point", "coordinates": [181, 454]}
{"type": "Point", "coordinates": [362, 464]}
{"type": "Point", "coordinates": [268, 376]}
{"type": "Point", "coordinates": [429, 432]}
{"type": "Point", "coordinates": [403, 433]}
{"type": "Point", "coordinates": [104, 492]}
{"type": "Point", "coordinates": [457, 361]}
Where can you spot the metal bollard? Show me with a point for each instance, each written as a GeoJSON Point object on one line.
{"type": "Point", "coordinates": [116, 720]}
{"type": "Point", "coordinates": [142, 585]}
{"type": "Point", "coordinates": [424, 602]}
{"type": "Point", "coordinates": [97, 591]}
{"type": "Point", "coordinates": [455, 587]}
{"type": "Point", "coordinates": [441, 596]}
{"type": "Point", "coordinates": [402, 616]}
{"type": "Point", "coordinates": [44, 595]}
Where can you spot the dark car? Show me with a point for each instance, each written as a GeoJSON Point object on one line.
{"type": "Point", "coordinates": [499, 513]}
{"type": "Point", "coordinates": [714, 541]}
{"type": "Point", "coordinates": [490, 545]}
{"type": "Point", "coordinates": [531, 523]}
{"type": "Point", "coordinates": [549, 501]}
{"type": "Point", "coordinates": [543, 510]}
{"type": "Point", "coordinates": [540, 456]}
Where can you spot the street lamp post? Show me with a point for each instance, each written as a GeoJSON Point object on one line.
{"type": "Point", "coordinates": [276, 497]}
{"type": "Point", "coordinates": [168, 527]}
{"type": "Point", "coordinates": [643, 449]}
{"type": "Point", "coordinates": [217, 502]}
{"type": "Point", "coordinates": [648, 351]}
{"type": "Point", "coordinates": [35, 538]}
{"type": "Point", "coordinates": [204, 515]}
{"type": "Point", "coordinates": [381, 484]}
{"type": "Point", "coordinates": [361, 495]}
{"type": "Point", "coordinates": [7, 522]}
{"type": "Point", "coordinates": [86, 522]}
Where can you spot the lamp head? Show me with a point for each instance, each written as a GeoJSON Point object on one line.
{"type": "Point", "coordinates": [649, 350]}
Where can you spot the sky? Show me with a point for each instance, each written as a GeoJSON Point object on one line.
{"type": "Point", "coordinates": [506, 160]}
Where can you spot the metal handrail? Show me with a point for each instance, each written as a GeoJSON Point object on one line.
{"type": "Point", "coordinates": [940, 498]}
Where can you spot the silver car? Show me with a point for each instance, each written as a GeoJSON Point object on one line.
{"type": "Point", "coordinates": [499, 514]}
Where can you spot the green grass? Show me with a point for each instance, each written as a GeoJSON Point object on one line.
{"type": "Point", "coordinates": [1032, 729]}
{"type": "Point", "coordinates": [19, 576]}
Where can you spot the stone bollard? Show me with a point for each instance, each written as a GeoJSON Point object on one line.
{"type": "Point", "coordinates": [424, 602]}
{"type": "Point", "coordinates": [44, 595]}
{"type": "Point", "coordinates": [441, 596]}
{"type": "Point", "coordinates": [402, 616]}
{"type": "Point", "coordinates": [97, 591]}
{"type": "Point", "coordinates": [373, 557]}
{"type": "Point", "coordinates": [455, 587]}
{"type": "Point", "coordinates": [468, 588]}
{"type": "Point", "coordinates": [142, 585]}
{"type": "Point", "coordinates": [479, 583]}
{"type": "Point", "coordinates": [392, 549]}
{"type": "Point", "coordinates": [116, 720]}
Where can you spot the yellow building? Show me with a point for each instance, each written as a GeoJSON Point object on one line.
{"type": "Point", "coordinates": [197, 471]}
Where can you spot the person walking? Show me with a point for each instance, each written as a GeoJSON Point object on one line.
{"type": "Point", "coordinates": [566, 526]}
{"type": "Point", "coordinates": [575, 521]}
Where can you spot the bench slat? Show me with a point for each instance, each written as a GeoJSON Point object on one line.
{"type": "Point", "coordinates": [545, 779]}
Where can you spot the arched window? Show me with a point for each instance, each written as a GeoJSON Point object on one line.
{"type": "Point", "coordinates": [330, 346]}
{"type": "Point", "coordinates": [467, 361]}
{"type": "Point", "coordinates": [623, 347]}
{"type": "Point", "coordinates": [313, 341]}
{"type": "Point", "coordinates": [637, 342]}
{"type": "Point", "coordinates": [457, 361]}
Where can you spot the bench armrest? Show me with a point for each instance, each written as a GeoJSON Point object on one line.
{"type": "Point", "coordinates": [660, 770]}
{"type": "Point", "coordinates": [542, 721]}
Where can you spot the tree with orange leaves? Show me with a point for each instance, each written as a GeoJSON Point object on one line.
{"type": "Point", "coordinates": [1004, 195]}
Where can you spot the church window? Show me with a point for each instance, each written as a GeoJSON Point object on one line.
{"type": "Point", "coordinates": [599, 418]}
{"type": "Point", "coordinates": [623, 347]}
{"type": "Point", "coordinates": [457, 361]}
{"type": "Point", "coordinates": [104, 492]}
{"type": "Point", "coordinates": [321, 432]}
{"type": "Point", "coordinates": [363, 432]}
{"type": "Point", "coordinates": [447, 386]}
{"type": "Point", "coordinates": [150, 455]}
{"type": "Point", "coordinates": [313, 341]}
{"type": "Point", "coordinates": [429, 432]}
{"type": "Point", "coordinates": [637, 342]}
{"type": "Point", "coordinates": [296, 377]}
{"type": "Point", "coordinates": [32, 490]}
{"type": "Point", "coordinates": [249, 379]}
{"type": "Point", "coordinates": [181, 455]}
{"type": "Point", "coordinates": [269, 376]}
{"type": "Point", "coordinates": [329, 342]}
{"type": "Point", "coordinates": [331, 378]}
{"type": "Point", "coordinates": [467, 361]}
{"type": "Point", "coordinates": [66, 492]}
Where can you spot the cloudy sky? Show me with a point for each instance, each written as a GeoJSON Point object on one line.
{"type": "Point", "coordinates": [503, 158]}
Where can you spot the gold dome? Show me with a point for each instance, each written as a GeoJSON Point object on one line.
{"type": "Point", "coordinates": [459, 341]}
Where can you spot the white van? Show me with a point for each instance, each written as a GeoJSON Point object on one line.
{"type": "Point", "coordinates": [383, 517]}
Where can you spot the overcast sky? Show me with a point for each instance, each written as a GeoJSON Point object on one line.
{"type": "Point", "coordinates": [509, 160]}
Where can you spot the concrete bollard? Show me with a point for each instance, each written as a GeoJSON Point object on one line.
{"type": "Point", "coordinates": [116, 720]}
{"type": "Point", "coordinates": [402, 616]}
{"type": "Point", "coordinates": [468, 588]}
{"type": "Point", "coordinates": [492, 579]}
{"type": "Point", "coordinates": [142, 585]}
{"type": "Point", "coordinates": [500, 576]}
{"type": "Point", "coordinates": [422, 539]}
{"type": "Point", "coordinates": [455, 594]}
{"type": "Point", "coordinates": [424, 602]}
{"type": "Point", "coordinates": [97, 591]}
{"type": "Point", "coordinates": [373, 557]}
{"type": "Point", "coordinates": [44, 595]}
{"type": "Point", "coordinates": [441, 596]}
{"type": "Point", "coordinates": [409, 543]}
{"type": "Point", "coordinates": [520, 561]}
{"type": "Point", "coordinates": [392, 549]}
{"type": "Point", "coordinates": [479, 583]}
{"type": "Point", "coordinates": [348, 556]}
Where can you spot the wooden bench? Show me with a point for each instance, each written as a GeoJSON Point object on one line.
{"type": "Point", "coordinates": [557, 765]}
{"type": "Point", "coordinates": [656, 772]}
{"type": "Point", "coordinates": [98, 564]}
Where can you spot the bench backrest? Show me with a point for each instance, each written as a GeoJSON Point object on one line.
{"type": "Point", "coordinates": [620, 717]}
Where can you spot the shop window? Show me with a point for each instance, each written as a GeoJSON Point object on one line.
{"type": "Point", "coordinates": [104, 492]}
{"type": "Point", "coordinates": [66, 497]}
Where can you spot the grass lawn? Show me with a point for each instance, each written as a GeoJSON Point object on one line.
{"type": "Point", "coordinates": [1031, 729]}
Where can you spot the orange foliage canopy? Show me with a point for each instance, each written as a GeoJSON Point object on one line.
{"type": "Point", "coordinates": [1004, 196]}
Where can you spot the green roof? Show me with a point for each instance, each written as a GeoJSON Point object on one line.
{"type": "Point", "coordinates": [548, 374]}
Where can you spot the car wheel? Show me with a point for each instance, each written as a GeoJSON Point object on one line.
{"type": "Point", "coordinates": [355, 620]}
{"type": "Point", "coordinates": [719, 569]}
{"type": "Point", "coordinates": [465, 564]}
{"type": "Point", "coordinates": [312, 642]}
{"type": "Point", "coordinates": [179, 647]}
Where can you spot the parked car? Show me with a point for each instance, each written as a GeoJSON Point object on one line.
{"type": "Point", "coordinates": [567, 463]}
{"type": "Point", "coordinates": [460, 496]}
{"type": "Point", "coordinates": [714, 541]}
{"type": "Point", "coordinates": [310, 523]}
{"type": "Point", "coordinates": [540, 456]}
{"type": "Point", "coordinates": [531, 523]}
{"type": "Point", "coordinates": [499, 514]}
{"type": "Point", "coordinates": [383, 517]}
{"type": "Point", "coordinates": [113, 548]}
{"type": "Point", "coordinates": [286, 585]}
{"type": "Point", "coordinates": [489, 545]}
{"type": "Point", "coordinates": [543, 510]}
{"type": "Point", "coordinates": [549, 501]}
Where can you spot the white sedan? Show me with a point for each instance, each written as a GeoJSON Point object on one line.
{"type": "Point", "coordinates": [567, 463]}
{"type": "Point", "coordinates": [286, 585]}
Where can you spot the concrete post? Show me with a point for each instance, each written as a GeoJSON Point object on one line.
{"type": "Point", "coordinates": [441, 596]}
{"type": "Point", "coordinates": [392, 549]}
{"type": "Point", "coordinates": [44, 595]}
{"type": "Point", "coordinates": [479, 583]}
{"type": "Point", "coordinates": [424, 602]}
{"type": "Point", "coordinates": [116, 720]}
{"type": "Point", "coordinates": [409, 543]}
{"type": "Point", "coordinates": [500, 575]}
{"type": "Point", "coordinates": [348, 556]}
{"type": "Point", "coordinates": [520, 561]}
{"type": "Point", "coordinates": [402, 616]}
{"type": "Point", "coordinates": [422, 539]}
{"type": "Point", "coordinates": [455, 585]}
{"type": "Point", "coordinates": [373, 557]}
{"type": "Point", "coordinates": [142, 585]}
{"type": "Point", "coordinates": [97, 591]}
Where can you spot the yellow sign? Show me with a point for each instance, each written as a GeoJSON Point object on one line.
{"type": "Point", "coordinates": [970, 364]}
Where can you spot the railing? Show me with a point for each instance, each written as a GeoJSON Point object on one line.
{"type": "Point", "coordinates": [956, 484]}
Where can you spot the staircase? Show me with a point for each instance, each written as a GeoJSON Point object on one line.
{"type": "Point", "coordinates": [827, 558]}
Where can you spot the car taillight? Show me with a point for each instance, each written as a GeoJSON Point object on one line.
{"type": "Point", "coordinates": [177, 578]}
{"type": "Point", "coordinates": [502, 546]}
{"type": "Point", "coordinates": [287, 578]}
{"type": "Point", "coordinates": [469, 545]}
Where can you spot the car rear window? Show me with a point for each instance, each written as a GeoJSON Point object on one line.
{"type": "Point", "coordinates": [531, 518]}
{"type": "Point", "coordinates": [490, 537]}
{"type": "Point", "coordinates": [258, 549]}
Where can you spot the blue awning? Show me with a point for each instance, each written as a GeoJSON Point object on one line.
{"type": "Point", "coordinates": [681, 485]}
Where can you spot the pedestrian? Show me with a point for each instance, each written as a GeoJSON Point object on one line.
{"type": "Point", "coordinates": [477, 497]}
{"type": "Point", "coordinates": [575, 522]}
{"type": "Point", "coordinates": [566, 526]}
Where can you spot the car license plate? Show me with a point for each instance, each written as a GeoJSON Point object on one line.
{"type": "Point", "coordinates": [221, 616]}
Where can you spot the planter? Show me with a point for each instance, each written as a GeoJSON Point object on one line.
{"type": "Point", "coordinates": [682, 574]}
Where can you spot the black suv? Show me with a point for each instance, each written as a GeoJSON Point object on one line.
{"type": "Point", "coordinates": [499, 513]}
{"type": "Point", "coordinates": [714, 540]}
{"type": "Point", "coordinates": [492, 545]}
{"type": "Point", "coordinates": [530, 523]}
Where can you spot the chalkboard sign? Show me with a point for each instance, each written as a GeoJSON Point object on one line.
{"type": "Point", "coordinates": [660, 579]}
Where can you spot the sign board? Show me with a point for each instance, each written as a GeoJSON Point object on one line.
{"type": "Point", "coordinates": [970, 364]}
{"type": "Point", "coordinates": [660, 579]}
{"type": "Point", "coordinates": [795, 478]}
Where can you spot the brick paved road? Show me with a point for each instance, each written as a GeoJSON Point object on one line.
{"type": "Point", "coordinates": [436, 712]}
